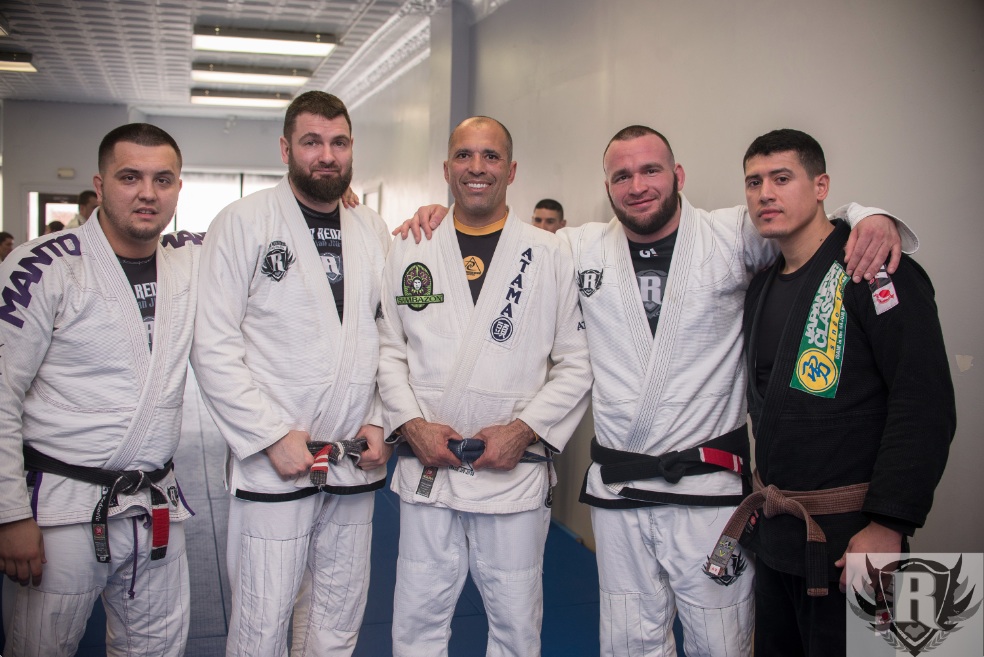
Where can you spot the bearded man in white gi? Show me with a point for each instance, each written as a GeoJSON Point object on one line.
{"type": "Point", "coordinates": [467, 347]}
{"type": "Point", "coordinates": [99, 512]}
{"type": "Point", "coordinates": [662, 286]}
{"type": "Point", "coordinates": [286, 350]}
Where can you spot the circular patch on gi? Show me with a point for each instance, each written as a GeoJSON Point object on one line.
{"type": "Point", "coordinates": [501, 329]}
{"type": "Point", "coordinates": [815, 371]}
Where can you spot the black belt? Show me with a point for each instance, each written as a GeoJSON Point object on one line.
{"type": "Point", "coordinates": [116, 482]}
{"type": "Point", "coordinates": [728, 452]}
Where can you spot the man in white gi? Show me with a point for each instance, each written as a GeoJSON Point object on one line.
{"type": "Point", "coordinates": [662, 286]}
{"type": "Point", "coordinates": [99, 512]}
{"type": "Point", "coordinates": [467, 347]}
{"type": "Point", "coordinates": [286, 350]}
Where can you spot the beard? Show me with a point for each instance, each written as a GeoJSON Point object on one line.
{"type": "Point", "coordinates": [323, 190]}
{"type": "Point", "coordinates": [654, 221]}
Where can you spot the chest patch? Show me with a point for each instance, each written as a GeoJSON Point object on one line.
{"type": "Point", "coordinates": [588, 281]}
{"type": "Point", "coordinates": [502, 326]}
{"type": "Point", "coordinates": [821, 351]}
{"type": "Point", "coordinates": [418, 288]}
{"type": "Point", "coordinates": [277, 261]}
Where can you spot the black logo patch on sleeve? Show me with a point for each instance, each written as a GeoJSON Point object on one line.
{"type": "Point", "coordinates": [277, 261]}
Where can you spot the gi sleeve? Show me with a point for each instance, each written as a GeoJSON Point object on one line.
{"type": "Point", "coordinates": [32, 297]}
{"type": "Point", "coordinates": [243, 414]}
{"type": "Point", "coordinates": [399, 402]}
{"type": "Point", "coordinates": [907, 345]}
{"type": "Point", "coordinates": [557, 408]}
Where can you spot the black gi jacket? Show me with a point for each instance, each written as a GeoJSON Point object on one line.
{"type": "Point", "coordinates": [890, 422]}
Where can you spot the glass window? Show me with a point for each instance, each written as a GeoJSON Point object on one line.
{"type": "Point", "coordinates": [202, 196]}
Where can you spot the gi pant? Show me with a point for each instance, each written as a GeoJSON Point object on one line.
{"type": "Point", "coordinates": [309, 557]}
{"type": "Point", "coordinates": [438, 548]}
{"type": "Point", "coordinates": [49, 620]}
{"type": "Point", "coordinates": [650, 567]}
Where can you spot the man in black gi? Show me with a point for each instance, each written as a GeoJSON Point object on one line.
{"type": "Point", "coordinates": [850, 397]}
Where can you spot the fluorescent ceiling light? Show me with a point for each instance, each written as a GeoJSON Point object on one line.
{"type": "Point", "coordinates": [239, 99]}
{"type": "Point", "coordinates": [262, 41]}
{"type": "Point", "coordinates": [273, 77]}
{"type": "Point", "coordinates": [18, 62]}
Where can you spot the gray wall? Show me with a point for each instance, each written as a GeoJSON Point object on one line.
{"type": "Point", "coordinates": [40, 138]}
{"type": "Point", "coordinates": [893, 89]}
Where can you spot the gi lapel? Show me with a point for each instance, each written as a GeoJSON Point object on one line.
{"type": "Point", "coordinates": [483, 318]}
{"type": "Point", "coordinates": [353, 253]}
{"type": "Point", "coordinates": [310, 262]}
{"type": "Point", "coordinates": [786, 354]}
{"type": "Point", "coordinates": [149, 370]}
{"type": "Point", "coordinates": [661, 347]}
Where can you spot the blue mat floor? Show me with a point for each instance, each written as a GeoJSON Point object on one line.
{"type": "Point", "coordinates": [570, 615]}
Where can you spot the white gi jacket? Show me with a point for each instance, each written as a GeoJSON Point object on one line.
{"type": "Point", "coordinates": [79, 382]}
{"type": "Point", "coordinates": [270, 353]}
{"type": "Point", "coordinates": [471, 366]}
{"type": "Point", "coordinates": [686, 385]}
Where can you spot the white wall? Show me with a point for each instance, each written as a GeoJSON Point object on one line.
{"type": "Point", "coordinates": [893, 90]}
{"type": "Point", "coordinates": [392, 132]}
{"type": "Point", "coordinates": [232, 144]}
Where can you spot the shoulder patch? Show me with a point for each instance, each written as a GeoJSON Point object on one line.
{"type": "Point", "coordinates": [883, 293]}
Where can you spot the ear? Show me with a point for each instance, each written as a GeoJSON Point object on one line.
{"type": "Point", "coordinates": [447, 176]}
{"type": "Point", "coordinates": [681, 176]}
{"type": "Point", "coordinates": [97, 183]}
{"type": "Point", "coordinates": [822, 186]}
{"type": "Point", "coordinates": [512, 172]}
{"type": "Point", "coordinates": [284, 149]}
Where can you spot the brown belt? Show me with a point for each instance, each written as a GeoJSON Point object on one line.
{"type": "Point", "coordinates": [803, 505]}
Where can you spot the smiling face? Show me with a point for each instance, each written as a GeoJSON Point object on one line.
{"type": "Point", "coordinates": [478, 170]}
{"type": "Point", "coordinates": [642, 180]}
{"type": "Point", "coordinates": [137, 192]}
{"type": "Point", "coordinates": [319, 160]}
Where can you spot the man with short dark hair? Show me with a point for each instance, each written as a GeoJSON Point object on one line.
{"type": "Point", "coordinates": [286, 350]}
{"type": "Point", "coordinates": [489, 361]}
{"type": "Point", "coordinates": [99, 512]}
{"type": "Point", "coordinates": [549, 215]}
{"type": "Point", "coordinates": [846, 371]}
{"type": "Point", "coordinates": [88, 202]}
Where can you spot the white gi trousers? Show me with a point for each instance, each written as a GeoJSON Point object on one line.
{"type": "Point", "coordinates": [309, 557]}
{"type": "Point", "coordinates": [438, 547]}
{"type": "Point", "coordinates": [49, 620]}
{"type": "Point", "coordinates": [650, 566]}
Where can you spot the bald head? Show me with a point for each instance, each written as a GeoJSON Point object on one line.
{"type": "Point", "coordinates": [482, 121]}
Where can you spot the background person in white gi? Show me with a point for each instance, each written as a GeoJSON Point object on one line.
{"type": "Point", "coordinates": [286, 350]}
{"type": "Point", "coordinates": [108, 305]}
{"type": "Point", "coordinates": [662, 286]}
{"type": "Point", "coordinates": [461, 362]}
